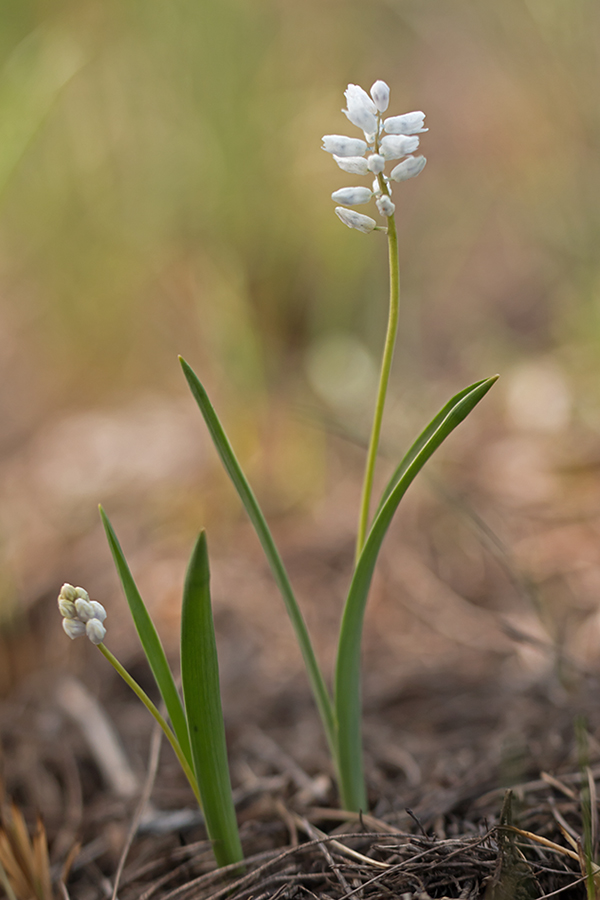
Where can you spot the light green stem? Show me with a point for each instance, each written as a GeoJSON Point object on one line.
{"type": "Point", "coordinates": [386, 365]}
{"type": "Point", "coordinates": [161, 721]}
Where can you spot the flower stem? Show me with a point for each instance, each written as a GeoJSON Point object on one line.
{"type": "Point", "coordinates": [386, 365]}
{"type": "Point", "coordinates": [161, 721]}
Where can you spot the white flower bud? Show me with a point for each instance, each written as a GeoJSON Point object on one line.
{"type": "Point", "coordinates": [409, 123]}
{"type": "Point", "coordinates": [74, 628]}
{"type": "Point", "coordinates": [81, 592]}
{"type": "Point", "coordinates": [352, 196]}
{"type": "Point", "coordinates": [67, 608]}
{"type": "Point", "coordinates": [85, 610]}
{"type": "Point", "coordinates": [67, 592]}
{"type": "Point", "coordinates": [385, 206]}
{"type": "Point", "coordinates": [380, 93]}
{"type": "Point", "coordinates": [376, 163]}
{"type": "Point", "coordinates": [355, 165]}
{"type": "Point", "coordinates": [99, 611]}
{"type": "Point", "coordinates": [361, 109]}
{"type": "Point", "coordinates": [395, 146]}
{"type": "Point", "coordinates": [343, 146]}
{"type": "Point", "coordinates": [408, 168]}
{"type": "Point", "coordinates": [95, 630]}
{"type": "Point", "coordinates": [353, 219]}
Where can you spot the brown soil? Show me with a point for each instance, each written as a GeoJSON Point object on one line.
{"type": "Point", "coordinates": [477, 667]}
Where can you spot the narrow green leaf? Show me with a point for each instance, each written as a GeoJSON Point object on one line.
{"type": "Point", "coordinates": [422, 440]}
{"type": "Point", "coordinates": [240, 483]}
{"type": "Point", "coordinates": [150, 642]}
{"type": "Point", "coordinates": [202, 696]}
{"type": "Point", "coordinates": [347, 676]}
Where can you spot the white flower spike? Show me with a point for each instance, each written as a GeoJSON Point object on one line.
{"type": "Point", "coordinates": [80, 614]}
{"type": "Point", "coordinates": [395, 137]}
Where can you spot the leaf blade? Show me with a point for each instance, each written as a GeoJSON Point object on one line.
{"type": "Point", "coordinates": [255, 514]}
{"type": "Point", "coordinates": [202, 697]}
{"type": "Point", "coordinates": [150, 641]}
{"type": "Point", "coordinates": [347, 675]}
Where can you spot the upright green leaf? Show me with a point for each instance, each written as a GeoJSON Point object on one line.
{"type": "Point", "coordinates": [150, 642]}
{"type": "Point", "coordinates": [202, 696]}
{"type": "Point", "coordinates": [347, 676]}
{"type": "Point", "coordinates": [239, 481]}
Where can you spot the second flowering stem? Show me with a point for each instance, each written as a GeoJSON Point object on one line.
{"type": "Point", "coordinates": [384, 377]}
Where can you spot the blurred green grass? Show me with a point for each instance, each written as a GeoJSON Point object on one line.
{"type": "Point", "coordinates": [162, 191]}
{"type": "Point", "coordinates": [163, 188]}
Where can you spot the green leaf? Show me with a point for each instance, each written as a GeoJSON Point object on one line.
{"type": "Point", "coordinates": [347, 676]}
{"type": "Point", "coordinates": [150, 642]}
{"type": "Point", "coordinates": [240, 483]}
{"type": "Point", "coordinates": [202, 696]}
{"type": "Point", "coordinates": [423, 438]}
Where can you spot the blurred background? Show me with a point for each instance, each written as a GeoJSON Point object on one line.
{"type": "Point", "coordinates": [163, 191]}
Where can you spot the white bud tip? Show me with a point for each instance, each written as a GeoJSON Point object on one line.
{"type": "Point", "coordinates": [385, 206]}
{"type": "Point", "coordinates": [352, 196]}
{"type": "Point", "coordinates": [95, 630]}
{"type": "Point", "coordinates": [67, 592]}
{"type": "Point", "coordinates": [408, 168]}
{"type": "Point", "coordinates": [74, 628]}
{"type": "Point", "coordinates": [341, 145]}
{"type": "Point", "coordinates": [82, 593]}
{"type": "Point", "coordinates": [99, 611]}
{"type": "Point", "coordinates": [67, 608]}
{"type": "Point", "coordinates": [353, 219]}
{"type": "Point", "coordinates": [376, 163]}
{"type": "Point", "coordinates": [408, 123]}
{"type": "Point", "coordinates": [380, 93]}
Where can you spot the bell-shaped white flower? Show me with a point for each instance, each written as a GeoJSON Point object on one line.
{"type": "Point", "coordinates": [408, 168]}
{"type": "Point", "coordinates": [361, 110]}
{"type": "Point", "coordinates": [66, 608]}
{"type": "Point", "coordinates": [395, 146]}
{"type": "Point", "coordinates": [85, 610]}
{"type": "Point", "coordinates": [355, 165]}
{"type": "Point", "coordinates": [95, 630]}
{"type": "Point", "coordinates": [82, 593]}
{"type": "Point", "coordinates": [380, 93]}
{"type": "Point", "coordinates": [74, 628]}
{"type": "Point", "coordinates": [376, 163]}
{"type": "Point", "coordinates": [340, 145]}
{"type": "Point", "coordinates": [99, 611]}
{"type": "Point", "coordinates": [352, 196]}
{"type": "Point", "coordinates": [354, 219]}
{"type": "Point", "coordinates": [385, 205]}
{"type": "Point", "coordinates": [409, 123]}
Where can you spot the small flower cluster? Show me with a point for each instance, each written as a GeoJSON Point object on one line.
{"type": "Point", "coordinates": [80, 614]}
{"type": "Point", "coordinates": [398, 142]}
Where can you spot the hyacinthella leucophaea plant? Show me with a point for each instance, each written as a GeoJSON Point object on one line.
{"type": "Point", "coordinates": [196, 730]}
